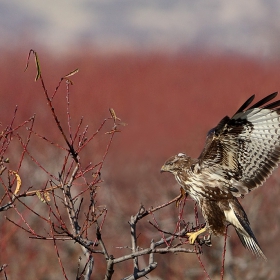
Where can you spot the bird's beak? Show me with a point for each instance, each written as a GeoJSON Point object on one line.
{"type": "Point", "coordinates": [163, 169]}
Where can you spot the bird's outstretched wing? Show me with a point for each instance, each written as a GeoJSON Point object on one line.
{"type": "Point", "coordinates": [245, 149]}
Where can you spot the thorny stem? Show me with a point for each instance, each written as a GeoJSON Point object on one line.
{"type": "Point", "coordinates": [66, 186]}
{"type": "Point", "coordinates": [100, 241]}
{"type": "Point", "coordinates": [143, 212]}
{"type": "Point", "coordinates": [135, 252]}
{"type": "Point", "coordinates": [224, 254]}
{"type": "Point", "coordinates": [39, 75]}
{"type": "Point", "coordinates": [68, 200]}
{"type": "Point", "coordinates": [57, 253]}
{"type": "Point", "coordinates": [133, 221]}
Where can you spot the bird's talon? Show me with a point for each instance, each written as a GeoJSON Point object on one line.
{"type": "Point", "coordinates": [193, 235]}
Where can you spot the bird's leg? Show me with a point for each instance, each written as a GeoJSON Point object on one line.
{"type": "Point", "coordinates": [183, 193]}
{"type": "Point", "coordinates": [193, 235]}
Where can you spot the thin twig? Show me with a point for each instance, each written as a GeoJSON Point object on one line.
{"type": "Point", "coordinates": [224, 254]}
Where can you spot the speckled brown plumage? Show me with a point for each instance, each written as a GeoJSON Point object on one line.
{"type": "Point", "coordinates": [240, 153]}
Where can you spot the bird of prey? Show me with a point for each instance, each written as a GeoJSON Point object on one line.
{"type": "Point", "coordinates": [240, 153]}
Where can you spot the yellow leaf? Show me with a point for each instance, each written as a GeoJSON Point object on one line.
{"type": "Point", "coordinates": [18, 182]}
{"type": "Point", "coordinates": [37, 64]}
{"type": "Point", "coordinates": [72, 73]}
{"type": "Point", "coordinates": [44, 196]}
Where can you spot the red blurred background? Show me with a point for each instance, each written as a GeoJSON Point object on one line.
{"type": "Point", "coordinates": [169, 102]}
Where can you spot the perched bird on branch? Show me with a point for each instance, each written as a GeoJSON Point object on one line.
{"type": "Point", "coordinates": [240, 153]}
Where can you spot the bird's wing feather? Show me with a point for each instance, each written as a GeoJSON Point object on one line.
{"type": "Point", "coordinates": [245, 149]}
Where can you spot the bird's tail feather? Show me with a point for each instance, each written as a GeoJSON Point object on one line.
{"type": "Point", "coordinates": [238, 218]}
{"type": "Point", "coordinates": [250, 243]}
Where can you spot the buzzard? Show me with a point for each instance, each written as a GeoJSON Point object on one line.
{"type": "Point", "coordinates": [240, 153]}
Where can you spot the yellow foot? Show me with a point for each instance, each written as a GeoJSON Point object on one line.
{"type": "Point", "coordinates": [193, 235]}
{"type": "Point", "coordinates": [182, 195]}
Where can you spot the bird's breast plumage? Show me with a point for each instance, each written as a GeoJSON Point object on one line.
{"type": "Point", "coordinates": [204, 185]}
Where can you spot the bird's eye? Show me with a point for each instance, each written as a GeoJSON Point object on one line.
{"type": "Point", "coordinates": [171, 163]}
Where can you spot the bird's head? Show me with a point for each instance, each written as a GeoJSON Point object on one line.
{"type": "Point", "coordinates": [176, 163]}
